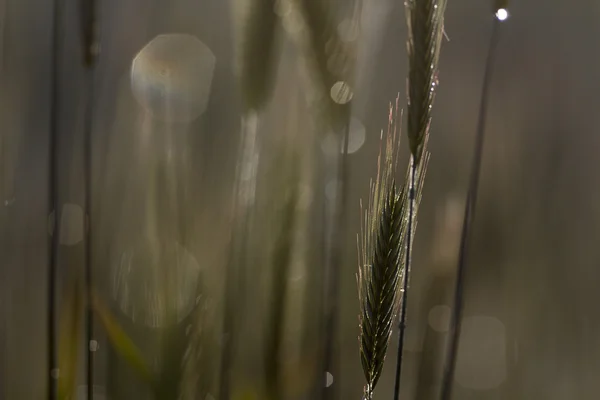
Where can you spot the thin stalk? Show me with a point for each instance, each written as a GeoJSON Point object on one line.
{"type": "Point", "coordinates": [332, 271]}
{"type": "Point", "coordinates": [88, 25]}
{"type": "Point", "coordinates": [455, 322]}
{"type": "Point", "coordinates": [406, 278]}
{"type": "Point", "coordinates": [282, 257]}
{"type": "Point", "coordinates": [52, 367]}
{"type": "Point", "coordinates": [243, 201]}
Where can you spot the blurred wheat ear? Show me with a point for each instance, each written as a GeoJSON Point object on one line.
{"type": "Point", "coordinates": [328, 58]}
{"type": "Point", "coordinates": [258, 53]}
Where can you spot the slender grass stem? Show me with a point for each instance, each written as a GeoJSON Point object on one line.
{"type": "Point", "coordinates": [332, 274]}
{"type": "Point", "coordinates": [90, 46]}
{"type": "Point", "coordinates": [243, 202]}
{"type": "Point", "coordinates": [455, 322]}
{"type": "Point", "coordinates": [52, 367]}
{"type": "Point", "coordinates": [406, 278]}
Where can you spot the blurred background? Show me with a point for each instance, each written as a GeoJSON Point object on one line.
{"type": "Point", "coordinates": [189, 191]}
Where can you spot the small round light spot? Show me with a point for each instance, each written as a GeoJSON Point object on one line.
{"type": "Point", "coordinates": [502, 14]}
{"type": "Point", "coordinates": [341, 92]}
{"type": "Point", "coordinates": [328, 379]}
{"type": "Point", "coordinates": [358, 135]}
{"type": "Point", "coordinates": [439, 318]}
{"type": "Point", "coordinates": [94, 345]}
{"type": "Point", "coordinates": [137, 286]}
{"type": "Point", "coordinates": [171, 77]}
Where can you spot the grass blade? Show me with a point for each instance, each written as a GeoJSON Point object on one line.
{"type": "Point", "coordinates": [121, 341]}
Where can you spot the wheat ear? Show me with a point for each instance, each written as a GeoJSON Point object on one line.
{"type": "Point", "coordinates": [425, 20]}
{"type": "Point", "coordinates": [381, 246]}
{"type": "Point", "coordinates": [379, 266]}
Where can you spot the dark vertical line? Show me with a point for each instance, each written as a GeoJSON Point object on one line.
{"type": "Point", "coordinates": [52, 368]}
{"type": "Point", "coordinates": [332, 272]}
{"type": "Point", "coordinates": [455, 322]}
{"type": "Point", "coordinates": [88, 244]}
{"type": "Point", "coordinates": [90, 49]}
{"type": "Point", "coordinates": [406, 278]}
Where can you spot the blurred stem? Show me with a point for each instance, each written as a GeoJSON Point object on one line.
{"type": "Point", "coordinates": [243, 203]}
{"type": "Point", "coordinates": [334, 260]}
{"type": "Point", "coordinates": [455, 321]}
{"type": "Point", "coordinates": [282, 263]}
{"type": "Point", "coordinates": [52, 367]}
{"type": "Point", "coordinates": [90, 46]}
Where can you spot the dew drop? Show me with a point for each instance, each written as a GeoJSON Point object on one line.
{"type": "Point", "coordinates": [502, 14]}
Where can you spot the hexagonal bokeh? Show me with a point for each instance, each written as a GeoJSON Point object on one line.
{"type": "Point", "coordinates": [171, 77]}
{"type": "Point", "coordinates": [154, 282]}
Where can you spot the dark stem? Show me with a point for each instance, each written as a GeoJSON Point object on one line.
{"type": "Point", "coordinates": [332, 272]}
{"type": "Point", "coordinates": [455, 322]}
{"type": "Point", "coordinates": [405, 281]}
{"type": "Point", "coordinates": [279, 288]}
{"type": "Point", "coordinates": [53, 201]}
{"type": "Point", "coordinates": [90, 45]}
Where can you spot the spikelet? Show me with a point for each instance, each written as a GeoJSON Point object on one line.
{"type": "Point", "coordinates": [381, 244]}
{"type": "Point", "coordinates": [425, 19]}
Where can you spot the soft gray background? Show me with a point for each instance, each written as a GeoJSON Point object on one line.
{"type": "Point", "coordinates": [532, 328]}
